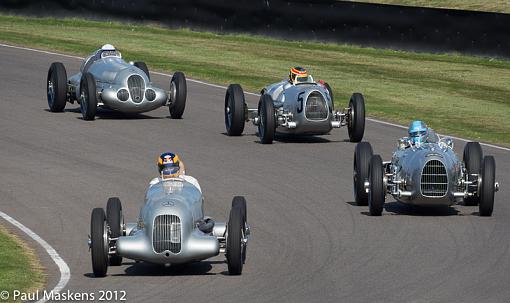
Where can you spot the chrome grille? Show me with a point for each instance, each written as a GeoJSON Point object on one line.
{"type": "Point", "coordinates": [316, 108]}
{"type": "Point", "coordinates": [136, 87]}
{"type": "Point", "coordinates": [166, 234]}
{"type": "Point", "coordinates": [434, 179]}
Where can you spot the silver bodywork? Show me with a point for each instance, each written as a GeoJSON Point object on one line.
{"type": "Point", "coordinates": [113, 74]}
{"type": "Point", "coordinates": [167, 231]}
{"type": "Point", "coordinates": [305, 108]}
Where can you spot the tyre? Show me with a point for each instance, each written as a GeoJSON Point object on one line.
{"type": "Point", "coordinates": [141, 65]}
{"type": "Point", "coordinates": [240, 202]}
{"type": "Point", "coordinates": [88, 97]}
{"type": "Point", "coordinates": [178, 93]}
{"type": "Point", "coordinates": [356, 125]}
{"type": "Point", "coordinates": [330, 91]}
{"type": "Point", "coordinates": [235, 243]}
{"type": "Point", "coordinates": [377, 192]}
{"type": "Point", "coordinates": [473, 161]}
{"type": "Point", "coordinates": [267, 120]}
{"type": "Point", "coordinates": [234, 110]}
{"type": "Point", "coordinates": [487, 187]}
{"type": "Point", "coordinates": [99, 242]}
{"type": "Point", "coordinates": [115, 220]}
{"type": "Point", "coordinates": [362, 156]}
{"type": "Point", "coordinates": [56, 87]}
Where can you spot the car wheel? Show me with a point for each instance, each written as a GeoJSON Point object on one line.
{"type": "Point", "coordinates": [356, 125]}
{"type": "Point", "coordinates": [56, 87]}
{"type": "Point", "coordinates": [141, 65]}
{"type": "Point", "coordinates": [330, 91]}
{"type": "Point", "coordinates": [267, 120]}
{"type": "Point", "coordinates": [236, 247]}
{"type": "Point", "coordinates": [362, 155]}
{"type": "Point", "coordinates": [240, 201]}
{"type": "Point", "coordinates": [178, 93]}
{"type": "Point", "coordinates": [115, 220]}
{"type": "Point", "coordinates": [487, 188]}
{"type": "Point", "coordinates": [234, 110]}
{"type": "Point", "coordinates": [472, 160]}
{"type": "Point", "coordinates": [377, 193]}
{"type": "Point", "coordinates": [88, 97]}
{"type": "Point", "coordinates": [99, 242]}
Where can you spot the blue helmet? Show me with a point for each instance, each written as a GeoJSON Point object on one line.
{"type": "Point", "coordinates": [418, 131]}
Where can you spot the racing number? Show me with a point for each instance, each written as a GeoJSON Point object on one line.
{"type": "Point", "coordinates": [300, 102]}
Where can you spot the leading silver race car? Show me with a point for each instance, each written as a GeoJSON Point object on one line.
{"type": "Point", "coordinates": [171, 229]}
{"type": "Point", "coordinates": [427, 174]}
{"type": "Point", "coordinates": [298, 106]}
{"type": "Point", "coordinates": [106, 80]}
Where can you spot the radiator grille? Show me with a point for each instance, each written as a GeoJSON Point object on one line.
{"type": "Point", "coordinates": [166, 234]}
{"type": "Point", "coordinates": [136, 87]}
{"type": "Point", "coordinates": [316, 108]}
{"type": "Point", "coordinates": [434, 179]}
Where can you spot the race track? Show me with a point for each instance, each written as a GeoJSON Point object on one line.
{"type": "Point", "coordinates": [310, 242]}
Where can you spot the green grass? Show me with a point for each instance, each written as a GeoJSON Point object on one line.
{"type": "Point", "coordinates": [19, 266]}
{"type": "Point", "coordinates": [458, 95]}
{"type": "Point", "coordinates": [500, 6]}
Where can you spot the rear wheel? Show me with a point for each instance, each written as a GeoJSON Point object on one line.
{"type": "Point", "coordinates": [473, 161]}
{"type": "Point", "coordinates": [56, 87]}
{"type": "Point", "coordinates": [99, 242]}
{"type": "Point", "coordinates": [178, 93]}
{"type": "Point", "coordinates": [235, 241]}
{"type": "Point", "coordinates": [115, 220]}
{"type": "Point", "coordinates": [356, 125]}
{"type": "Point", "coordinates": [234, 110]}
{"type": "Point", "coordinates": [88, 97]}
{"type": "Point", "coordinates": [377, 193]}
{"type": "Point", "coordinates": [141, 65]}
{"type": "Point", "coordinates": [362, 156]}
{"type": "Point", "coordinates": [487, 187]}
{"type": "Point", "coordinates": [267, 120]}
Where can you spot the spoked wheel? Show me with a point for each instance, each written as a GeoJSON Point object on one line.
{"type": "Point", "coordinates": [88, 98]}
{"type": "Point", "coordinates": [237, 236]}
{"type": "Point", "coordinates": [115, 220]}
{"type": "Point", "coordinates": [356, 123]}
{"type": "Point", "coordinates": [178, 93]}
{"type": "Point", "coordinates": [141, 65]}
{"type": "Point", "coordinates": [488, 186]}
{"type": "Point", "coordinates": [99, 242]}
{"type": "Point", "coordinates": [234, 110]}
{"type": "Point", "coordinates": [267, 120]}
{"type": "Point", "coordinates": [56, 87]}
{"type": "Point", "coordinates": [377, 192]}
{"type": "Point", "coordinates": [473, 161]}
{"type": "Point", "coordinates": [362, 156]}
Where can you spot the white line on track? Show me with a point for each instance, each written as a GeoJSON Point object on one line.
{"type": "Point", "coordinates": [65, 272]}
{"type": "Point", "coordinates": [249, 93]}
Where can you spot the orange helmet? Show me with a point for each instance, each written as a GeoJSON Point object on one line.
{"type": "Point", "coordinates": [169, 165]}
{"type": "Point", "coordinates": [298, 74]}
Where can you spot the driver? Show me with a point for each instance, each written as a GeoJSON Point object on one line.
{"type": "Point", "coordinates": [420, 133]}
{"type": "Point", "coordinates": [170, 167]}
{"type": "Point", "coordinates": [106, 50]}
{"type": "Point", "coordinates": [298, 75]}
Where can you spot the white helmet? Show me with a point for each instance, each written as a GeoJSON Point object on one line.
{"type": "Point", "coordinates": [108, 47]}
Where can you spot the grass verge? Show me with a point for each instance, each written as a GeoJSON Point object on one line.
{"type": "Point", "coordinates": [499, 6]}
{"type": "Point", "coordinates": [459, 95]}
{"type": "Point", "coordinates": [20, 267]}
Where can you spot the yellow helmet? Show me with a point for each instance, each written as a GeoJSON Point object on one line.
{"type": "Point", "coordinates": [298, 74]}
{"type": "Point", "coordinates": [169, 165]}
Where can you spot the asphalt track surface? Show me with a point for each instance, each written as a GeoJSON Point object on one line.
{"type": "Point", "coordinates": [310, 242]}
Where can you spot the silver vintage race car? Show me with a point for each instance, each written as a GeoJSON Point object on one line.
{"type": "Point", "coordinates": [426, 172]}
{"type": "Point", "coordinates": [298, 106]}
{"type": "Point", "coordinates": [106, 80]}
{"type": "Point", "coordinates": [171, 229]}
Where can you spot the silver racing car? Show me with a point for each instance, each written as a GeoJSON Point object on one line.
{"type": "Point", "coordinates": [106, 80]}
{"type": "Point", "coordinates": [425, 171]}
{"type": "Point", "coordinates": [297, 106]}
{"type": "Point", "coordinates": [171, 229]}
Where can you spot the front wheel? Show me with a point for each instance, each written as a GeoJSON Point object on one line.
{"type": "Point", "coordinates": [267, 120]}
{"type": "Point", "coordinates": [356, 123]}
{"type": "Point", "coordinates": [362, 156]}
{"type": "Point", "coordinates": [115, 220]}
{"type": "Point", "coordinates": [56, 87]}
{"type": "Point", "coordinates": [99, 242]}
{"type": "Point", "coordinates": [88, 97]}
{"type": "Point", "coordinates": [487, 187]}
{"type": "Point", "coordinates": [472, 158]}
{"type": "Point", "coordinates": [377, 192]}
{"type": "Point", "coordinates": [234, 110]}
{"type": "Point", "coordinates": [236, 244]}
{"type": "Point", "coordinates": [178, 93]}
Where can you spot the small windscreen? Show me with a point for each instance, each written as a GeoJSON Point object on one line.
{"type": "Point", "coordinates": [110, 53]}
{"type": "Point", "coordinates": [302, 79]}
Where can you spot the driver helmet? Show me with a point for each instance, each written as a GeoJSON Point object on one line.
{"type": "Point", "coordinates": [169, 165]}
{"type": "Point", "coordinates": [298, 74]}
{"type": "Point", "coordinates": [418, 132]}
{"type": "Point", "coordinates": [109, 50]}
